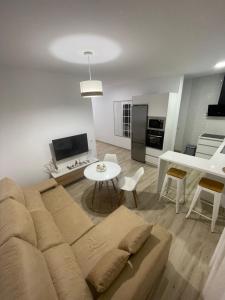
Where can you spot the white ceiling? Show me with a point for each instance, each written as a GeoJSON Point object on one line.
{"type": "Point", "coordinates": [156, 37]}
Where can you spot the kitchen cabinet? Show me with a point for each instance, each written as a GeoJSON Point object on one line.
{"type": "Point", "coordinates": [208, 144]}
{"type": "Point", "coordinates": [157, 103]}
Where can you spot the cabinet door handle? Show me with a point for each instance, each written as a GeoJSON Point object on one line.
{"type": "Point", "coordinates": [160, 136]}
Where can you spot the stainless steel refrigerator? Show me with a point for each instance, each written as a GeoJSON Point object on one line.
{"type": "Point", "coordinates": [139, 127]}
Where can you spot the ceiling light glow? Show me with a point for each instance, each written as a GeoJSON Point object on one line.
{"type": "Point", "coordinates": [220, 65]}
{"type": "Point", "coordinates": [71, 48]}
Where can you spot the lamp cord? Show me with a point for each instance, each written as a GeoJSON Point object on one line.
{"type": "Point", "coordinates": [89, 66]}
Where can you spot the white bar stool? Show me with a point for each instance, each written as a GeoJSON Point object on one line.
{"type": "Point", "coordinates": [180, 177]}
{"type": "Point", "coordinates": [210, 186]}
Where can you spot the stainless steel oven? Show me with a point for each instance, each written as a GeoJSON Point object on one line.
{"type": "Point", "coordinates": [157, 123]}
{"type": "Point", "coordinates": [154, 139]}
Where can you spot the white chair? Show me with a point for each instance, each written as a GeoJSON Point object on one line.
{"type": "Point", "coordinates": [129, 184]}
{"type": "Point", "coordinates": [179, 176]}
{"type": "Point", "coordinates": [111, 157]}
{"type": "Point", "coordinates": [210, 186]}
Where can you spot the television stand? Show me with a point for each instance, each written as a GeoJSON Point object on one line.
{"type": "Point", "coordinates": [72, 171]}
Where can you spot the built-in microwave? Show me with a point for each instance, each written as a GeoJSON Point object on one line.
{"type": "Point", "coordinates": [157, 123]}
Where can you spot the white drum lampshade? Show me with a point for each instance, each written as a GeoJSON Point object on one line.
{"type": "Point", "coordinates": [91, 88]}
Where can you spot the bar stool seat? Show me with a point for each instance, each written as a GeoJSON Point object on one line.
{"type": "Point", "coordinates": [180, 177]}
{"type": "Point", "coordinates": [211, 186]}
{"type": "Point", "coordinates": [177, 173]}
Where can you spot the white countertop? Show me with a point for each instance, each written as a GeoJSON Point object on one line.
{"type": "Point", "coordinates": [211, 138]}
{"type": "Point", "coordinates": [214, 165]}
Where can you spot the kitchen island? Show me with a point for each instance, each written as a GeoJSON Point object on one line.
{"type": "Point", "coordinates": [212, 167]}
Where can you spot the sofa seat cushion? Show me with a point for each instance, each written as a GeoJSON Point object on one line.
{"type": "Point", "coordinates": [24, 274]}
{"type": "Point", "coordinates": [56, 199]}
{"type": "Point", "coordinates": [133, 241]}
{"type": "Point", "coordinates": [71, 220]}
{"type": "Point", "coordinates": [10, 189]}
{"type": "Point", "coordinates": [105, 236]}
{"type": "Point", "coordinates": [107, 269]}
{"type": "Point", "coordinates": [15, 220]}
{"type": "Point", "coordinates": [143, 272]}
{"type": "Point", "coordinates": [33, 200]}
{"type": "Point", "coordinates": [66, 274]}
{"type": "Point", "coordinates": [48, 235]}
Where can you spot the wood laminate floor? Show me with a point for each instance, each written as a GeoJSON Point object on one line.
{"type": "Point", "coordinates": [193, 243]}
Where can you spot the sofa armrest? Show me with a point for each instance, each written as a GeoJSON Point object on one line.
{"type": "Point", "coordinates": [46, 185]}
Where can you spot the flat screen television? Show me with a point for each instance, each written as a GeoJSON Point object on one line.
{"type": "Point", "coordinates": [70, 146]}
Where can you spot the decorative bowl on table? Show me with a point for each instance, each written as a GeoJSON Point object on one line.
{"type": "Point", "coordinates": [101, 167]}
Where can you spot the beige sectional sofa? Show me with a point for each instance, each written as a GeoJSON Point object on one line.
{"type": "Point", "coordinates": [48, 246]}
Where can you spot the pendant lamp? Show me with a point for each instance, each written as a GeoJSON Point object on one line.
{"type": "Point", "coordinates": [90, 88]}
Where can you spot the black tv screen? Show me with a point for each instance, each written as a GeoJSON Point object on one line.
{"type": "Point", "coordinates": [70, 146]}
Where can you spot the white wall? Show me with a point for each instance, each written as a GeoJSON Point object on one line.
{"type": "Point", "coordinates": [157, 103]}
{"type": "Point", "coordinates": [185, 101]}
{"type": "Point", "coordinates": [172, 118]}
{"type": "Point", "coordinates": [36, 107]}
{"type": "Point", "coordinates": [103, 107]}
{"type": "Point", "coordinates": [198, 94]}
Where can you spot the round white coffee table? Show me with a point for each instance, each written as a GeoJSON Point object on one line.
{"type": "Point", "coordinates": [111, 172]}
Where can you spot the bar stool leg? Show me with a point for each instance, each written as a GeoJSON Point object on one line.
{"type": "Point", "coordinates": [184, 188]}
{"type": "Point", "coordinates": [163, 187]}
{"type": "Point", "coordinates": [216, 206]}
{"type": "Point", "coordinates": [168, 185]}
{"type": "Point", "coordinates": [196, 196]}
{"type": "Point", "coordinates": [179, 183]}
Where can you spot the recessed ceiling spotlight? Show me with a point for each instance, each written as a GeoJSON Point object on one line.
{"type": "Point", "coordinates": [71, 48]}
{"type": "Point", "coordinates": [220, 65]}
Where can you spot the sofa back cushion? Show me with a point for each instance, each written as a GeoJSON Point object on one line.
{"type": "Point", "coordinates": [135, 239]}
{"type": "Point", "coordinates": [15, 220]}
{"type": "Point", "coordinates": [107, 269]}
{"type": "Point", "coordinates": [24, 273]}
{"type": "Point", "coordinates": [10, 189]}
{"type": "Point", "coordinates": [48, 234]}
{"type": "Point", "coordinates": [66, 274]}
